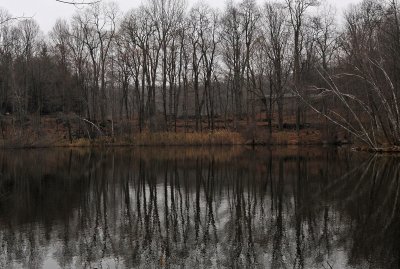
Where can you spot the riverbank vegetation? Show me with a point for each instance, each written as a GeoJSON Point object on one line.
{"type": "Point", "coordinates": [54, 133]}
{"type": "Point", "coordinates": [164, 73]}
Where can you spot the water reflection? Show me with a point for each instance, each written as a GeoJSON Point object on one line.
{"type": "Point", "coordinates": [199, 208]}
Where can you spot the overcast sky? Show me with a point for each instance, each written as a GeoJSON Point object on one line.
{"type": "Point", "coordinates": [46, 12]}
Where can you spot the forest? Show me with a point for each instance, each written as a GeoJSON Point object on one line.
{"type": "Point", "coordinates": [291, 67]}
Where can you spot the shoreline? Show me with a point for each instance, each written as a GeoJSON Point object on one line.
{"type": "Point", "coordinates": [51, 133]}
{"type": "Point", "coordinates": [382, 150]}
{"type": "Point", "coordinates": [169, 139]}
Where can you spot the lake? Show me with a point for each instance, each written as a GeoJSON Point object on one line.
{"type": "Point", "coordinates": [199, 208]}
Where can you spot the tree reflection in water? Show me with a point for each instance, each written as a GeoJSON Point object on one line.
{"type": "Point", "coordinates": [199, 208]}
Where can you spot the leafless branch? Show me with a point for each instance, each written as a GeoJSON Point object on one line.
{"type": "Point", "coordinates": [78, 2]}
{"type": "Point", "coordinates": [14, 18]}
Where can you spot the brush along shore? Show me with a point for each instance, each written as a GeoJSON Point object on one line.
{"type": "Point", "coordinates": [216, 138]}
{"type": "Point", "coordinates": [51, 132]}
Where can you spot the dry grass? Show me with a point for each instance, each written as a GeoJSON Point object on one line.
{"type": "Point", "coordinates": [292, 138]}
{"type": "Point", "coordinates": [288, 137]}
{"type": "Point", "coordinates": [51, 134]}
{"type": "Point", "coordinates": [217, 138]}
{"type": "Point", "coordinates": [188, 139]}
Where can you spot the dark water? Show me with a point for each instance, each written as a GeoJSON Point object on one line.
{"type": "Point", "coordinates": [199, 208]}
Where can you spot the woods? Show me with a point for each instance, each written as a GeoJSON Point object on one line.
{"type": "Point", "coordinates": [166, 66]}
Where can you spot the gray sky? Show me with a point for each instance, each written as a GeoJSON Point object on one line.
{"type": "Point", "coordinates": [46, 12]}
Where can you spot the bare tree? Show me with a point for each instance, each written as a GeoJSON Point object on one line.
{"type": "Point", "coordinates": [326, 34]}
{"type": "Point", "coordinates": [363, 86]}
{"type": "Point", "coordinates": [277, 38]}
{"type": "Point", "coordinates": [297, 10]}
{"type": "Point", "coordinates": [78, 2]}
{"type": "Point", "coordinates": [27, 31]}
{"type": "Point", "coordinates": [6, 60]}
{"type": "Point", "coordinates": [99, 27]}
{"type": "Point", "coordinates": [195, 23]}
{"type": "Point", "coordinates": [60, 37]}
{"type": "Point", "coordinates": [165, 16]}
{"type": "Point", "coordinates": [210, 39]}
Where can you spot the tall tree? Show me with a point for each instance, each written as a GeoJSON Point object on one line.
{"type": "Point", "coordinates": [298, 11]}
{"type": "Point", "coordinates": [165, 16]}
{"type": "Point", "coordinates": [277, 37]}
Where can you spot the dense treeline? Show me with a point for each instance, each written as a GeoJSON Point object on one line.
{"type": "Point", "coordinates": [163, 62]}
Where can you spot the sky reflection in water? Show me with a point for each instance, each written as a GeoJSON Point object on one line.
{"type": "Point", "coordinates": [199, 208]}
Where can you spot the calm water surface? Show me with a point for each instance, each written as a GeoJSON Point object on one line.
{"type": "Point", "coordinates": [199, 208]}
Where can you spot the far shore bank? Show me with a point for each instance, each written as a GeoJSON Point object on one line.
{"type": "Point", "coordinates": [201, 139]}
{"type": "Point", "coordinates": [221, 138]}
{"type": "Point", "coordinates": [53, 131]}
